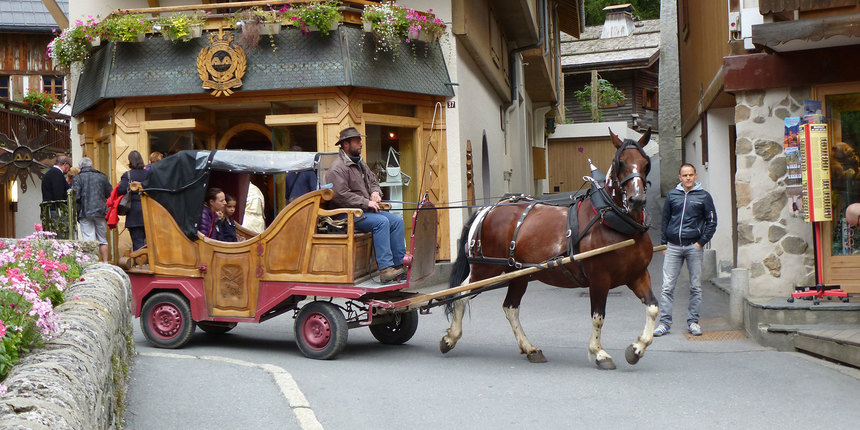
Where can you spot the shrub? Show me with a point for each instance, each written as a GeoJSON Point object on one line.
{"type": "Point", "coordinates": [34, 273]}
{"type": "Point", "coordinates": [44, 101]}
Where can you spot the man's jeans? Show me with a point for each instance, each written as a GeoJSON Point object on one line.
{"type": "Point", "coordinates": [675, 256]}
{"type": "Point", "coordinates": [388, 237]}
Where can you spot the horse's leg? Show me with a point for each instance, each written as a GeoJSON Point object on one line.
{"type": "Point", "coordinates": [598, 293]}
{"type": "Point", "coordinates": [511, 306]}
{"type": "Point", "coordinates": [455, 331]}
{"type": "Point", "coordinates": [642, 288]}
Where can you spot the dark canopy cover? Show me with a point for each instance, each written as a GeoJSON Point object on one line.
{"type": "Point", "coordinates": [179, 182]}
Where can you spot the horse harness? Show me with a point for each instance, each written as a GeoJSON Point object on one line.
{"type": "Point", "coordinates": [604, 208]}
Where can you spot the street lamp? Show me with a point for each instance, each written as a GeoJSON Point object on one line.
{"type": "Point", "coordinates": [13, 201]}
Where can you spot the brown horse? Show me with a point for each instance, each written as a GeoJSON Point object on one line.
{"type": "Point", "coordinates": [501, 239]}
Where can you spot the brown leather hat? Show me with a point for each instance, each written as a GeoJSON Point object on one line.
{"type": "Point", "coordinates": [348, 133]}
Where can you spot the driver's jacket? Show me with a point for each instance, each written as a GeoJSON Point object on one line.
{"type": "Point", "coordinates": [352, 183]}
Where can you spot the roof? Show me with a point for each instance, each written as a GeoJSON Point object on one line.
{"type": "Point", "coordinates": [157, 67]}
{"type": "Point", "coordinates": [641, 49]}
{"type": "Point", "coordinates": [28, 15]}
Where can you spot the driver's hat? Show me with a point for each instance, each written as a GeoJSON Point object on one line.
{"type": "Point", "coordinates": [348, 133]}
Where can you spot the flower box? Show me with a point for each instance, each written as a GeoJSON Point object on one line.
{"type": "Point", "coordinates": [366, 26]}
{"type": "Point", "coordinates": [94, 42]}
{"type": "Point", "coordinates": [424, 36]}
{"type": "Point", "coordinates": [196, 30]}
{"type": "Point", "coordinates": [140, 37]}
{"type": "Point", "coordinates": [269, 28]}
{"type": "Point", "coordinates": [332, 27]}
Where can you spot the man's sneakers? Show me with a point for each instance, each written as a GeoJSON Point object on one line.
{"type": "Point", "coordinates": [695, 329]}
{"type": "Point", "coordinates": [391, 274]}
{"type": "Point", "coordinates": [660, 330]}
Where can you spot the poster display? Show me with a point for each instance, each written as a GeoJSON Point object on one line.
{"type": "Point", "coordinates": [815, 176]}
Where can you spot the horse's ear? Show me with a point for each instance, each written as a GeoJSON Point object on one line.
{"type": "Point", "coordinates": [615, 140]}
{"type": "Point", "coordinates": [645, 138]}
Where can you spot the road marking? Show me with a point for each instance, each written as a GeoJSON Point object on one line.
{"type": "Point", "coordinates": [296, 399]}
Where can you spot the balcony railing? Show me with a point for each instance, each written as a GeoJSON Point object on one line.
{"type": "Point", "coordinates": [58, 136]}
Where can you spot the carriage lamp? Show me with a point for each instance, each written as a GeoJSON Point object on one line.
{"type": "Point", "coordinates": [13, 201]}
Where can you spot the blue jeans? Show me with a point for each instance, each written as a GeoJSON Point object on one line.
{"type": "Point", "coordinates": [675, 256]}
{"type": "Point", "coordinates": [388, 237]}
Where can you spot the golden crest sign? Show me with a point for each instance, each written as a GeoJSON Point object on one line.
{"type": "Point", "coordinates": [221, 66]}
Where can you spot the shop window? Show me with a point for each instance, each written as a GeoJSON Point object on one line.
{"type": "Point", "coordinates": [53, 85]}
{"type": "Point", "coordinates": [395, 109]}
{"type": "Point", "coordinates": [843, 116]}
{"type": "Point", "coordinates": [171, 142]}
{"type": "Point", "coordinates": [4, 87]}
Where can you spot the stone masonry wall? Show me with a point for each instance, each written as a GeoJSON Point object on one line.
{"type": "Point", "coordinates": [78, 379]}
{"type": "Point", "coordinates": [774, 244]}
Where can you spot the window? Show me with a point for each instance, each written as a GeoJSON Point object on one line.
{"type": "Point", "coordinates": [53, 85]}
{"type": "Point", "coordinates": [649, 99]}
{"type": "Point", "coordinates": [4, 87]}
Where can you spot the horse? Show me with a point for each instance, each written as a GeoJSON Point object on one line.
{"type": "Point", "coordinates": [508, 236]}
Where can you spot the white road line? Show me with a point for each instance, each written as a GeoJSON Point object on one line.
{"type": "Point", "coordinates": [296, 399]}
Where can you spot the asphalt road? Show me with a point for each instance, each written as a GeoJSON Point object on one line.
{"type": "Point", "coordinates": [255, 376]}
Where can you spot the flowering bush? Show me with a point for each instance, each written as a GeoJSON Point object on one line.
{"type": "Point", "coordinates": [70, 46]}
{"type": "Point", "coordinates": [124, 26]}
{"type": "Point", "coordinates": [320, 15]}
{"type": "Point", "coordinates": [45, 101]}
{"type": "Point", "coordinates": [179, 26]}
{"type": "Point", "coordinates": [34, 272]}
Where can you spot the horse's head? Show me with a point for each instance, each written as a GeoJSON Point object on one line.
{"type": "Point", "coordinates": [630, 169]}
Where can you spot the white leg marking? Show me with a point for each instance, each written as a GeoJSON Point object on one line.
{"type": "Point", "coordinates": [455, 331]}
{"type": "Point", "coordinates": [513, 315]}
{"type": "Point", "coordinates": [298, 402]}
{"type": "Point", "coordinates": [595, 349]}
{"type": "Point", "coordinates": [648, 333]}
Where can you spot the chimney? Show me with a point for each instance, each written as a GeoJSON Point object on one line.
{"type": "Point", "coordinates": [618, 22]}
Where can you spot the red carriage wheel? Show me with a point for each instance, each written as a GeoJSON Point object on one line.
{"type": "Point", "coordinates": [166, 320]}
{"type": "Point", "coordinates": [320, 330]}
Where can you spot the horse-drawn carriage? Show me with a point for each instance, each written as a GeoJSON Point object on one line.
{"type": "Point", "coordinates": [182, 279]}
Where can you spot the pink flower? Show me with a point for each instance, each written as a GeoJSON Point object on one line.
{"type": "Point", "coordinates": [37, 227]}
{"type": "Point", "coordinates": [2, 329]}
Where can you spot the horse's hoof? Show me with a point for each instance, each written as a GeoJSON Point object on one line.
{"type": "Point", "coordinates": [444, 346]}
{"type": "Point", "coordinates": [630, 355]}
{"type": "Point", "coordinates": [536, 357]}
{"type": "Point", "coordinates": [606, 364]}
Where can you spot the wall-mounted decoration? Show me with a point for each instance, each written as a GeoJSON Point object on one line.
{"type": "Point", "coordinates": [221, 66]}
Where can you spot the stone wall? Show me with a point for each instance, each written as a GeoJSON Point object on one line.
{"type": "Point", "coordinates": [78, 379]}
{"type": "Point", "coordinates": [773, 243]}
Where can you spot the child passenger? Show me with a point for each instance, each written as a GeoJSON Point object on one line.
{"type": "Point", "coordinates": [227, 227]}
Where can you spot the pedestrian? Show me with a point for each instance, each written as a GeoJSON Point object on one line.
{"type": "Point", "coordinates": [689, 223]}
{"type": "Point", "coordinates": [54, 184]}
{"type": "Point", "coordinates": [300, 182]}
{"type": "Point", "coordinates": [154, 157]}
{"type": "Point", "coordinates": [134, 218]}
{"type": "Point", "coordinates": [355, 186]}
{"type": "Point", "coordinates": [92, 189]}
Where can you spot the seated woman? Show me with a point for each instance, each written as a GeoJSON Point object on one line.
{"type": "Point", "coordinates": [213, 210]}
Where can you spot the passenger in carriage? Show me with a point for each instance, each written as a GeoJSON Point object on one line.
{"type": "Point", "coordinates": [209, 219]}
{"type": "Point", "coordinates": [355, 186]}
{"type": "Point", "coordinates": [226, 224]}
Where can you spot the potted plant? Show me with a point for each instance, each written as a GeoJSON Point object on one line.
{"type": "Point", "coordinates": [388, 22]}
{"type": "Point", "coordinates": [43, 102]}
{"type": "Point", "coordinates": [424, 27]}
{"type": "Point", "coordinates": [69, 47]}
{"type": "Point", "coordinates": [93, 31]}
{"type": "Point", "coordinates": [182, 27]}
{"type": "Point", "coordinates": [323, 17]}
{"type": "Point", "coordinates": [126, 27]}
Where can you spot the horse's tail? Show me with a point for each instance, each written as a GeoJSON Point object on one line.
{"type": "Point", "coordinates": [460, 270]}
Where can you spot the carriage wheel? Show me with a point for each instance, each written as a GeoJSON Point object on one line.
{"type": "Point", "coordinates": [320, 330]}
{"type": "Point", "coordinates": [213, 327]}
{"type": "Point", "coordinates": [399, 330]}
{"type": "Point", "coordinates": [166, 320]}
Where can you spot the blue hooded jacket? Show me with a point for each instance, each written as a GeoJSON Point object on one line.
{"type": "Point", "coordinates": [688, 216]}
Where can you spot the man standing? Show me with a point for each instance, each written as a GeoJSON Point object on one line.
{"type": "Point", "coordinates": [54, 185]}
{"type": "Point", "coordinates": [92, 188]}
{"type": "Point", "coordinates": [689, 223]}
{"type": "Point", "coordinates": [355, 186]}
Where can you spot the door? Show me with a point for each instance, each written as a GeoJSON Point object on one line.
{"type": "Point", "coordinates": [840, 244]}
{"type": "Point", "coordinates": [568, 161]}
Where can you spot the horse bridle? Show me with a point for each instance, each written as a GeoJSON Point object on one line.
{"type": "Point", "coordinates": [616, 167]}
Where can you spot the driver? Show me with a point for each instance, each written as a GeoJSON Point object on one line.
{"type": "Point", "coordinates": [355, 186]}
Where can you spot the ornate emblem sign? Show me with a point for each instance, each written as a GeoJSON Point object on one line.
{"type": "Point", "coordinates": [221, 66]}
{"type": "Point", "coordinates": [18, 156]}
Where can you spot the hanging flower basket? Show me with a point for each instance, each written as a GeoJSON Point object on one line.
{"type": "Point", "coordinates": [331, 27]}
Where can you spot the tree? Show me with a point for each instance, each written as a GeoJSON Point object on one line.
{"type": "Point", "coordinates": [642, 9]}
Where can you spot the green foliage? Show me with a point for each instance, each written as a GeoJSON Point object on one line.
{"type": "Point", "coordinates": [607, 94]}
{"type": "Point", "coordinates": [320, 15]}
{"type": "Point", "coordinates": [43, 102]}
{"type": "Point", "coordinates": [125, 27]}
{"type": "Point", "coordinates": [178, 27]}
{"type": "Point", "coordinates": [642, 9]}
